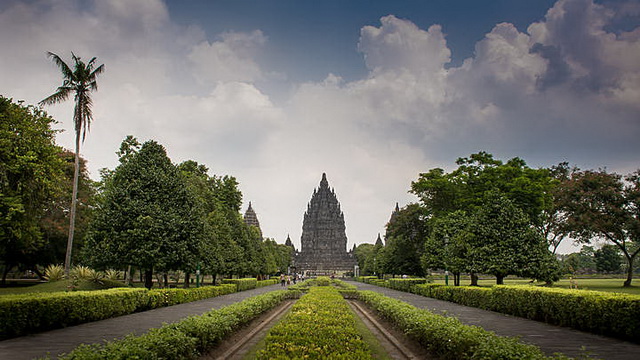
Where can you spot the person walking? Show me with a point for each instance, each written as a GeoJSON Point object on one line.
{"type": "Point", "coordinates": [282, 280]}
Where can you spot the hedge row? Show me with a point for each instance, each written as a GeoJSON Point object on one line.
{"type": "Point", "coordinates": [268, 282]}
{"type": "Point", "coordinates": [611, 314]}
{"type": "Point", "coordinates": [320, 326]}
{"type": "Point", "coordinates": [31, 313]}
{"type": "Point", "coordinates": [447, 337]}
{"type": "Point", "coordinates": [242, 284]}
{"type": "Point", "coordinates": [187, 339]}
{"type": "Point", "coordinates": [401, 284]}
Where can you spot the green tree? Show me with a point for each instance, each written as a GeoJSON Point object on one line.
{"type": "Point", "coordinates": [503, 241]}
{"type": "Point", "coordinates": [602, 205]}
{"type": "Point", "coordinates": [608, 259]}
{"type": "Point", "coordinates": [80, 82]}
{"type": "Point", "coordinates": [30, 173]}
{"type": "Point", "coordinates": [148, 218]}
{"type": "Point", "coordinates": [448, 246]}
{"type": "Point", "coordinates": [54, 222]}
{"type": "Point", "coordinates": [405, 237]}
{"type": "Point", "coordinates": [362, 252]}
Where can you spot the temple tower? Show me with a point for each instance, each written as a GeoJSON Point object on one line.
{"type": "Point", "coordinates": [324, 241]}
{"type": "Point", "coordinates": [250, 218]}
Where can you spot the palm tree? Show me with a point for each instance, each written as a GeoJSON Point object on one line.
{"type": "Point", "coordinates": [81, 81]}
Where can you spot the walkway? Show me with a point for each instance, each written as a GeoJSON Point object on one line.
{"type": "Point", "coordinates": [549, 338]}
{"type": "Point", "coordinates": [60, 341]}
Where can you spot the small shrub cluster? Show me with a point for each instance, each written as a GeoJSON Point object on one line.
{"type": "Point", "coordinates": [242, 284]}
{"type": "Point", "coordinates": [168, 297]}
{"type": "Point", "coordinates": [611, 314]}
{"type": "Point", "coordinates": [187, 339]}
{"type": "Point", "coordinates": [319, 326]}
{"type": "Point", "coordinates": [447, 337]}
{"type": "Point", "coordinates": [268, 282]}
{"type": "Point", "coordinates": [401, 284]}
{"type": "Point", "coordinates": [36, 312]}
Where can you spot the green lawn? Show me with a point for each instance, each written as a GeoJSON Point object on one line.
{"type": "Point", "coordinates": [609, 285]}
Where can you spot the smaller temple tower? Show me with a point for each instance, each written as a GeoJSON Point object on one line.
{"type": "Point", "coordinates": [251, 219]}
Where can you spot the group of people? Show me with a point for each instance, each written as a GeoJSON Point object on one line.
{"type": "Point", "coordinates": [285, 280]}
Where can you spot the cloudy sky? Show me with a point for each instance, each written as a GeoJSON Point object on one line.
{"type": "Point", "coordinates": [371, 92]}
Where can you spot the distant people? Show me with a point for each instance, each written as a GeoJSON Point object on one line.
{"type": "Point", "coordinates": [288, 280]}
{"type": "Point", "coordinates": [295, 278]}
{"type": "Point", "coordinates": [282, 280]}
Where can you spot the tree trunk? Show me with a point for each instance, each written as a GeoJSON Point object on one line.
{"type": "Point", "coordinates": [474, 279]}
{"type": "Point", "coordinates": [166, 280]}
{"type": "Point", "coordinates": [213, 279]}
{"type": "Point", "coordinates": [148, 279]}
{"type": "Point", "coordinates": [499, 279]}
{"type": "Point", "coordinates": [7, 268]}
{"type": "Point", "coordinates": [72, 212]}
{"type": "Point", "coordinates": [627, 283]}
{"type": "Point", "coordinates": [187, 277]}
{"type": "Point", "coordinates": [456, 279]}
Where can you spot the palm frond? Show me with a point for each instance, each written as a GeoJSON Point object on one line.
{"type": "Point", "coordinates": [64, 68]}
{"type": "Point", "coordinates": [59, 96]}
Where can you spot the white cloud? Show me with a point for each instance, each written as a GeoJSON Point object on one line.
{"type": "Point", "coordinates": [230, 59]}
{"type": "Point", "coordinates": [567, 89]}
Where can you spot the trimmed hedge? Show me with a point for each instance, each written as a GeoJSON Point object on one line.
{"type": "Point", "coordinates": [447, 337]}
{"type": "Point", "coordinates": [242, 284]}
{"type": "Point", "coordinates": [32, 313]}
{"type": "Point", "coordinates": [320, 326]}
{"type": "Point", "coordinates": [610, 314]}
{"type": "Point", "coordinates": [268, 282]}
{"type": "Point", "coordinates": [405, 284]}
{"type": "Point", "coordinates": [186, 339]}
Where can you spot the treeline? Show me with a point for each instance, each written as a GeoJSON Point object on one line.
{"type": "Point", "coordinates": [505, 218]}
{"type": "Point", "coordinates": [148, 213]}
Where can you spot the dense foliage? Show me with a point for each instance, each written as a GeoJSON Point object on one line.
{"type": "Point", "coordinates": [186, 339]}
{"type": "Point", "coordinates": [320, 326]}
{"type": "Point", "coordinates": [30, 173]}
{"type": "Point", "coordinates": [593, 311]}
{"type": "Point", "coordinates": [447, 337]}
{"type": "Point", "coordinates": [31, 313]}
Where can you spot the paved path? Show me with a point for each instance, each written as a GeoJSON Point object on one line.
{"type": "Point", "coordinates": [60, 341]}
{"type": "Point", "coordinates": [549, 338]}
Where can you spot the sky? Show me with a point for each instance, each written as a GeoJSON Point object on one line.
{"type": "Point", "coordinates": [372, 93]}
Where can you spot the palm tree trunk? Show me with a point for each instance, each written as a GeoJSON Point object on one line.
{"type": "Point", "coordinates": [72, 213]}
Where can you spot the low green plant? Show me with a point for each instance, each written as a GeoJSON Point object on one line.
{"type": "Point", "coordinates": [320, 326]}
{"type": "Point", "coordinates": [447, 337]}
{"type": "Point", "coordinates": [31, 313]}
{"type": "Point", "coordinates": [54, 272]}
{"type": "Point", "coordinates": [113, 274]}
{"type": "Point", "coordinates": [81, 272]}
{"type": "Point", "coordinates": [242, 284]}
{"type": "Point", "coordinates": [187, 339]}
{"type": "Point", "coordinates": [611, 314]}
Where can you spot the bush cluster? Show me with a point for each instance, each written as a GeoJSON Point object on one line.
{"type": "Point", "coordinates": [400, 284]}
{"type": "Point", "coordinates": [320, 326]}
{"type": "Point", "coordinates": [186, 339]}
{"type": "Point", "coordinates": [447, 337]}
{"type": "Point", "coordinates": [611, 314]}
{"type": "Point", "coordinates": [242, 284]}
{"type": "Point", "coordinates": [32, 313]}
{"type": "Point", "coordinates": [268, 282]}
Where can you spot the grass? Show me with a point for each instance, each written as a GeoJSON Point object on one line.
{"type": "Point", "coordinates": [62, 285]}
{"type": "Point", "coordinates": [607, 285]}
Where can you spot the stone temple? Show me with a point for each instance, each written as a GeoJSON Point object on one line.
{"type": "Point", "coordinates": [324, 241]}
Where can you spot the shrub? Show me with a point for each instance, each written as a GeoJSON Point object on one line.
{"type": "Point", "coordinates": [268, 282]}
{"type": "Point", "coordinates": [186, 339]}
{"type": "Point", "coordinates": [447, 337]}
{"type": "Point", "coordinates": [54, 272]}
{"type": "Point", "coordinates": [405, 284]}
{"type": "Point", "coordinates": [31, 313]}
{"type": "Point", "coordinates": [611, 314]}
{"type": "Point", "coordinates": [83, 273]}
{"type": "Point", "coordinates": [319, 326]}
{"type": "Point", "coordinates": [112, 274]}
{"type": "Point", "coordinates": [242, 284]}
